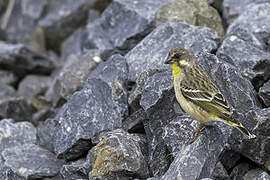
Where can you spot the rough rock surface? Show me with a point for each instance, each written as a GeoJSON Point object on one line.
{"type": "Point", "coordinates": [21, 60]}
{"type": "Point", "coordinates": [7, 91]}
{"type": "Point", "coordinates": [31, 161]}
{"type": "Point", "coordinates": [193, 12]}
{"type": "Point", "coordinates": [264, 94]}
{"type": "Point", "coordinates": [100, 105]}
{"type": "Point", "coordinates": [121, 25]}
{"type": "Point", "coordinates": [16, 108]}
{"type": "Point", "coordinates": [151, 52]}
{"type": "Point", "coordinates": [119, 151]}
{"type": "Point", "coordinates": [256, 174]}
{"type": "Point", "coordinates": [239, 171]}
{"type": "Point", "coordinates": [7, 78]}
{"type": "Point", "coordinates": [15, 134]}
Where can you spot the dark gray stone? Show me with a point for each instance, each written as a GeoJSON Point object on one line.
{"type": "Point", "coordinates": [73, 75]}
{"type": "Point", "coordinates": [32, 86]}
{"type": "Point", "coordinates": [229, 159]}
{"type": "Point", "coordinates": [152, 51]}
{"type": "Point", "coordinates": [120, 152]}
{"type": "Point", "coordinates": [42, 115]}
{"type": "Point", "coordinates": [122, 25]}
{"type": "Point", "coordinates": [7, 91]}
{"type": "Point", "coordinates": [15, 134]}
{"type": "Point", "coordinates": [31, 161]}
{"type": "Point", "coordinates": [7, 78]}
{"type": "Point", "coordinates": [232, 9]}
{"type": "Point", "coordinates": [220, 172]}
{"type": "Point", "coordinates": [33, 8]}
{"type": "Point", "coordinates": [63, 18]}
{"type": "Point", "coordinates": [246, 44]}
{"type": "Point", "coordinates": [45, 131]}
{"type": "Point", "coordinates": [264, 94]}
{"type": "Point", "coordinates": [134, 123]}
{"type": "Point", "coordinates": [92, 15]}
{"type": "Point", "coordinates": [21, 60]}
{"type": "Point", "coordinates": [239, 171]}
{"type": "Point", "coordinates": [16, 108]}
{"type": "Point", "coordinates": [100, 105]}
{"type": "Point", "coordinates": [256, 174]}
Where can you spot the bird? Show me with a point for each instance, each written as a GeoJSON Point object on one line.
{"type": "Point", "coordinates": [198, 95]}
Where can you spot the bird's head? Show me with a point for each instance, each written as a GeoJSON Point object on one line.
{"type": "Point", "coordinates": [180, 58]}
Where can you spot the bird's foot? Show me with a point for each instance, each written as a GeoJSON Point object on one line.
{"type": "Point", "coordinates": [197, 133]}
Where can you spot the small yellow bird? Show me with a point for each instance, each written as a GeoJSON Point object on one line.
{"type": "Point", "coordinates": [197, 93]}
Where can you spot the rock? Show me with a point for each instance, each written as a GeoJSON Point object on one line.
{"type": "Point", "coordinates": [122, 25]}
{"type": "Point", "coordinates": [31, 161]}
{"type": "Point", "coordinates": [22, 60]}
{"type": "Point", "coordinates": [121, 152]}
{"type": "Point", "coordinates": [32, 86]}
{"type": "Point", "coordinates": [65, 17]}
{"type": "Point", "coordinates": [239, 171]}
{"type": "Point", "coordinates": [42, 115]}
{"type": "Point", "coordinates": [256, 174]}
{"type": "Point", "coordinates": [194, 12]}
{"type": "Point", "coordinates": [151, 52]}
{"type": "Point", "coordinates": [229, 159]}
{"type": "Point", "coordinates": [220, 172]}
{"type": "Point", "coordinates": [45, 131]}
{"type": "Point", "coordinates": [78, 169]}
{"type": "Point", "coordinates": [264, 94]}
{"type": "Point", "coordinates": [6, 91]}
{"type": "Point", "coordinates": [15, 134]}
{"type": "Point", "coordinates": [33, 8]}
{"type": "Point", "coordinates": [261, 144]}
{"type": "Point", "coordinates": [232, 9]}
{"type": "Point", "coordinates": [134, 123]}
{"type": "Point", "coordinates": [73, 75]}
{"type": "Point", "coordinates": [92, 15]}
{"type": "Point", "coordinates": [7, 78]}
{"type": "Point", "coordinates": [246, 45]}
{"type": "Point", "coordinates": [100, 105]}
{"type": "Point", "coordinates": [16, 108]}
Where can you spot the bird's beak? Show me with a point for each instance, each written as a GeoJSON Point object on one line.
{"type": "Point", "coordinates": [168, 60]}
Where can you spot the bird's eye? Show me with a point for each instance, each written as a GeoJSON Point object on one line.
{"type": "Point", "coordinates": [176, 56]}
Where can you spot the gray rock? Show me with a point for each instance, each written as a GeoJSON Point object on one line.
{"type": "Point", "coordinates": [7, 174]}
{"type": "Point", "coordinates": [256, 174]}
{"type": "Point", "coordinates": [100, 105]}
{"type": "Point", "coordinates": [16, 108]}
{"type": "Point", "coordinates": [33, 8]}
{"type": "Point", "coordinates": [122, 25]}
{"type": "Point", "coordinates": [45, 131]}
{"type": "Point", "coordinates": [64, 16]}
{"type": "Point", "coordinates": [194, 12]}
{"type": "Point", "coordinates": [239, 171]}
{"type": "Point", "coordinates": [134, 123]}
{"type": "Point", "coordinates": [32, 86]}
{"type": "Point", "coordinates": [232, 9]}
{"type": "Point", "coordinates": [119, 151]}
{"type": "Point", "coordinates": [229, 159]}
{"type": "Point", "coordinates": [21, 60]}
{"type": "Point", "coordinates": [246, 44]}
{"type": "Point", "coordinates": [264, 94]}
{"type": "Point", "coordinates": [92, 15]}
{"type": "Point", "coordinates": [15, 134]}
{"type": "Point", "coordinates": [258, 149]}
{"type": "Point", "coordinates": [152, 51]}
{"type": "Point", "coordinates": [7, 91]}
{"type": "Point", "coordinates": [31, 161]}
{"type": "Point", "coordinates": [42, 115]}
{"type": "Point", "coordinates": [220, 172]}
{"type": "Point", "coordinates": [7, 78]}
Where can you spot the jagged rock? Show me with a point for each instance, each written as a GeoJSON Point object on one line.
{"type": "Point", "coordinates": [220, 172]}
{"type": "Point", "coordinates": [21, 60]}
{"type": "Point", "coordinates": [31, 161]}
{"type": "Point", "coordinates": [16, 108]}
{"type": "Point", "coordinates": [15, 134]}
{"type": "Point", "coordinates": [261, 144]}
{"type": "Point", "coordinates": [78, 169]}
{"type": "Point", "coordinates": [73, 75]}
{"type": "Point", "coordinates": [194, 12]}
{"type": "Point", "coordinates": [120, 152]}
{"type": "Point", "coordinates": [134, 123]}
{"type": "Point", "coordinates": [239, 171]}
{"type": "Point", "coordinates": [92, 15]}
{"type": "Point", "coordinates": [42, 115]}
{"type": "Point", "coordinates": [45, 131]}
{"type": "Point", "coordinates": [232, 9]}
{"type": "Point", "coordinates": [32, 86]}
{"type": "Point", "coordinates": [63, 18]}
{"type": "Point", "coordinates": [246, 45]}
{"type": "Point", "coordinates": [33, 8]}
{"type": "Point", "coordinates": [122, 25]}
{"type": "Point", "coordinates": [6, 91]}
{"type": "Point", "coordinates": [229, 159]}
{"type": "Point", "coordinates": [7, 78]}
{"type": "Point", "coordinates": [100, 105]}
{"type": "Point", "coordinates": [152, 51]}
{"type": "Point", "coordinates": [264, 93]}
{"type": "Point", "coordinates": [256, 174]}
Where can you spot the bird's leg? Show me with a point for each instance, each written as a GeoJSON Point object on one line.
{"type": "Point", "coordinates": [197, 133]}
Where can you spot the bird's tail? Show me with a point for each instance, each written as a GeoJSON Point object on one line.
{"type": "Point", "coordinates": [243, 130]}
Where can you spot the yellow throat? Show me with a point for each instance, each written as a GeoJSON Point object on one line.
{"type": "Point", "coordinates": [176, 70]}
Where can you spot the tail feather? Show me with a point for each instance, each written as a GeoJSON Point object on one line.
{"type": "Point", "coordinates": [244, 131]}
